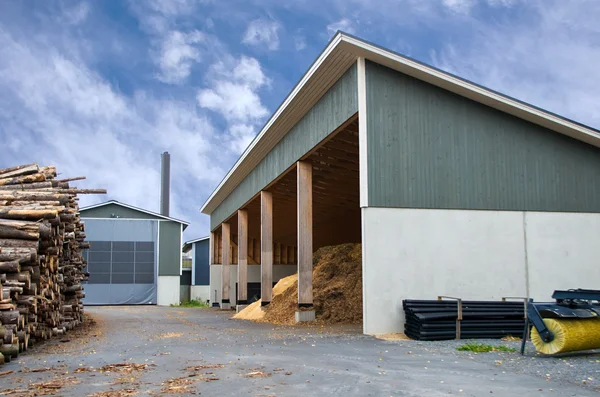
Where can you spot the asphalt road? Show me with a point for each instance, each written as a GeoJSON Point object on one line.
{"type": "Point", "coordinates": [162, 351]}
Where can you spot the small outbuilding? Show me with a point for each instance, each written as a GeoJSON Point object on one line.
{"type": "Point", "coordinates": [134, 256]}
{"type": "Point", "coordinates": [452, 189]}
{"type": "Point", "coordinates": [197, 252]}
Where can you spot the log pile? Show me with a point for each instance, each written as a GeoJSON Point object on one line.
{"type": "Point", "coordinates": [41, 262]}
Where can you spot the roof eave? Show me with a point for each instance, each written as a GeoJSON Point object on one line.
{"type": "Point", "coordinates": [421, 71]}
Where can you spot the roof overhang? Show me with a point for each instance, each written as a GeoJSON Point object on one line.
{"type": "Point", "coordinates": [115, 202]}
{"type": "Point", "coordinates": [343, 51]}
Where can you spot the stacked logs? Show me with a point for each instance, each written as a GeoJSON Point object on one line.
{"type": "Point", "coordinates": [41, 263]}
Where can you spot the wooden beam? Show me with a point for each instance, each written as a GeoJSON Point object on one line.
{"type": "Point", "coordinates": [242, 297]}
{"type": "Point", "coordinates": [266, 246]}
{"type": "Point", "coordinates": [277, 254]}
{"type": "Point", "coordinates": [225, 275]}
{"type": "Point", "coordinates": [305, 234]}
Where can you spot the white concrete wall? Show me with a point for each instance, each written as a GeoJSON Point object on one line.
{"type": "Point", "coordinates": [279, 272]}
{"type": "Point", "coordinates": [168, 290]}
{"type": "Point", "coordinates": [420, 254]}
{"type": "Point", "coordinates": [200, 292]}
{"type": "Point", "coordinates": [563, 252]}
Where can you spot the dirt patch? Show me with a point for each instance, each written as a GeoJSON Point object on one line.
{"type": "Point", "coordinates": [392, 337]}
{"type": "Point", "coordinates": [125, 368]}
{"type": "Point", "coordinates": [91, 329]}
{"type": "Point", "coordinates": [115, 393]}
{"type": "Point", "coordinates": [337, 289]}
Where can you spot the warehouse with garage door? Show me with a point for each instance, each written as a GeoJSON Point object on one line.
{"type": "Point", "coordinates": [452, 189]}
{"type": "Point", "coordinates": [134, 256]}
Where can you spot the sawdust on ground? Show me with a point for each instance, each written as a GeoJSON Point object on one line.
{"type": "Point", "coordinates": [392, 337]}
{"type": "Point", "coordinates": [337, 289]}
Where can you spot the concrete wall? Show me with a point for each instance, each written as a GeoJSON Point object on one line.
{"type": "Point", "coordinates": [279, 272]}
{"type": "Point", "coordinates": [200, 292]}
{"type": "Point", "coordinates": [421, 253]}
{"type": "Point", "coordinates": [168, 290]}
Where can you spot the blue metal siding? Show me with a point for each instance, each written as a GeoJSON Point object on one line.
{"type": "Point", "coordinates": [429, 148]}
{"type": "Point", "coordinates": [335, 107]}
{"type": "Point", "coordinates": [202, 263]}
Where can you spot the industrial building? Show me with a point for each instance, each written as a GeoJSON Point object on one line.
{"type": "Point", "coordinates": [452, 189]}
{"type": "Point", "coordinates": [134, 256]}
{"type": "Point", "coordinates": [198, 252]}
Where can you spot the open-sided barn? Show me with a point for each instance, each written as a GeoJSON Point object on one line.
{"type": "Point", "coordinates": [452, 189]}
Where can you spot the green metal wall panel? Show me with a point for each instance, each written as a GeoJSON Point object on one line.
{"type": "Point", "coordinates": [335, 107]}
{"type": "Point", "coordinates": [122, 212]}
{"type": "Point", "coordinates": [429, 148]}
{"type": "Point", "coordinates": [169, 243]}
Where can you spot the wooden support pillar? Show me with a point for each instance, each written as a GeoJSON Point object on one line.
{"type": "Point", "coordinates": [242, 296]}
{"type": "Point", "coordinates": [266, 247]}
{"type": "Point", "coordinates": [225, 260]}
{"type": "Point", "coordinates": [305, 240]}
{"type": "Point", "coordinates": [284, 254]}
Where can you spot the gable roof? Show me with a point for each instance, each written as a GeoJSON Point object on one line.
{"type": "Point", "coordinates": [188, 244]}
{"type": "Point", "coordinates": [340, 54]}
{"type": "Point", "coordinates": [115, 202]}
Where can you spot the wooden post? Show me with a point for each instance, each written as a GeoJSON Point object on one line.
{"type": "Point", "coordinates": [277, 254]}
{"type": "Point", "coordinates": [284, 254]}
{"type": "Point", "coordinates": [266, 247]}
{"type": "Point", "coordinates": [242, 298]}
{"type": "Point", "coordinates": [225, 252]}
{"type": "Point", "coordinates": [305, 235]}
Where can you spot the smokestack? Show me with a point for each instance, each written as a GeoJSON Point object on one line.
{"type": "Point", "coordinates": [165, 183]}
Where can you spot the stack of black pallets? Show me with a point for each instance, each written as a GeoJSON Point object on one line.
{"type": "Point", "coordinates": [437, 319]}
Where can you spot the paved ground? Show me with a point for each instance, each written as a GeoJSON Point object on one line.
{"type": "Point", "coordinates": [202, 351]}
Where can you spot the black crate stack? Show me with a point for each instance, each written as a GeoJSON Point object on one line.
{"type": "Point", "coordinates": [437, 319]}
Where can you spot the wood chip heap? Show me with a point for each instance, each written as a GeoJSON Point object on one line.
{"type": "Point", "coordinates": [41, 263]}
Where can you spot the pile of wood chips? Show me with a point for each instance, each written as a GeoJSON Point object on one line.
{"type": "Point", "coordinates": [41, 263]}
{"type": "Point", "coordinates": [337, 289]}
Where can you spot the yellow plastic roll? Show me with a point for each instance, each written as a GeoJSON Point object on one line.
{"type": "Point", "coordinates": [569, 335]}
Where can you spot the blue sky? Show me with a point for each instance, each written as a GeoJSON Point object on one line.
{"type": "Point", "coordinates": [101, 88]}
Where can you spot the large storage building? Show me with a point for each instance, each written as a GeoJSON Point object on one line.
{"type": "Point", "coordinates": [453, 189]}
{"type": "Point", "coordinates": [134, 255]}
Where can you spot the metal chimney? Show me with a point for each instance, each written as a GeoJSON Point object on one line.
{"type": "Point", "coordinates": [165, 183]}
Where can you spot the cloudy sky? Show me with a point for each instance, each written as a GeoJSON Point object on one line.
{"type": "Point", "coordinates": [101, 88]}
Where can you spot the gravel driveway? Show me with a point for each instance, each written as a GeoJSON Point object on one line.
{"type": "Point", "coordinates": [164, 351]}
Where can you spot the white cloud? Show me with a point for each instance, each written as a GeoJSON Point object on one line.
{"type": "Point", "coordinates": [233, 91]}
{"type": "Point", "coordinates": [235, 101]}
{"type": "Point", "coordinates": [344, 24]}
{"type": "Point", "coordinates": [548, 59]}
{"type": "Point", "coordinates": [178, 52]}
{"type": "Point", "coordinates": [77, 14]}
{"type": "Point", "coordinates": [249, 71]}
{"type": "Point", "coordinates": [460, 6]}
{"type": "Point", "coordinates": [64, 113]}
{"type": "Point", "coordinates": [263, 32]}
{"type": "Point", "coordinates": [241, 136]}
{"type": "Point", "coordinates": [300, 43]}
